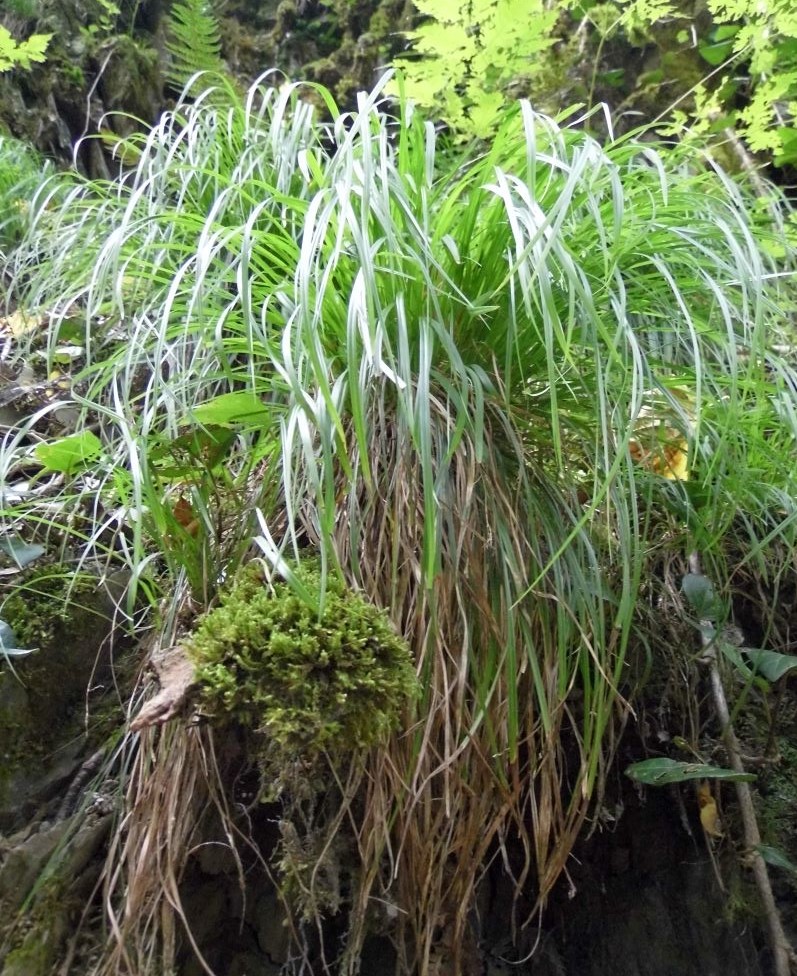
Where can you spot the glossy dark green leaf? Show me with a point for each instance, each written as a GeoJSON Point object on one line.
{"type": "Point", "coordinates": [661, 771]}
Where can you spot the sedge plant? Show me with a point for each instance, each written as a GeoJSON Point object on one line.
{"type": "Point", "coordinates": [469, 385]}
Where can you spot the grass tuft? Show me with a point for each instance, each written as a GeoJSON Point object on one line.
{"type": "Point", "coordinates": [490, 393]}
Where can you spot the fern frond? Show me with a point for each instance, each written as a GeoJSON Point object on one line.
{"type": "Point", "coordinates": [193, 41]}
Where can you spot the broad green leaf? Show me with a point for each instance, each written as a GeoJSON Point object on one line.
{"type": "Point", "coordinates": [699, 593]}
{"type": "Point", "coordinates": [232, 408]}
{"type": "Point", "coordinates": [724, 32]}
{"type": "Point", "coordinates": [660, 772]}
{"type": "Point", "coordinates": [776, 857]}
{"type": "Point", "coordinates": [769, 663]}
{"type": "Point", "coordinates": [69, 454]}
{"type": "Point", "coordinates": [733, 654]}
{"type": "Point", "coordinates": [720, 47]}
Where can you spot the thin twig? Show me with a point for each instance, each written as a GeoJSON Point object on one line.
{"type": "Point", "coordinates": [782, 952]}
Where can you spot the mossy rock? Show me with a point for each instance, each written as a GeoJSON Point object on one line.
{"type": "Point", "coordinates": [34, 957]}
{"type": "Point", "coordinates": [333, 680]}
{"type": "Point", "coordinates": [43, 695]}
{"type": "Point", "coordinates": [45, 880]}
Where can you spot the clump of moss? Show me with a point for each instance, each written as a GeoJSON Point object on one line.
{"type": "Point", "coordinates": [333, 680]}
{"type": "Point", "coordinates": [50, 605]}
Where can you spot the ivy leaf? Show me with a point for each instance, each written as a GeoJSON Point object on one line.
{"type": "Point", "coordinates": [661, 771]}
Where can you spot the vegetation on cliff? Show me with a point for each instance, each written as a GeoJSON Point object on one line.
{"type": "Point", "coordinates": [492, 394]}
{"type": "Point", "coordinates": [403, 438]}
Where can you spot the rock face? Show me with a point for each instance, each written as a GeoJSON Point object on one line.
{"type": "Point", "coordinates": [33, 947]}
{"type": "Point", "coordinates": [57, 707]}
{"type": "Point", "coordinates": [91, 69]}
{"type": "Point", "coordinates": [45, 697]}
{"type": "Point", "coordinates": [648, 901]}
{"type": "Point", "coordinates": [104, 73]}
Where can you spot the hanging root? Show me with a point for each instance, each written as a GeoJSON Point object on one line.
{"type": "Point", "coordinates": [173, 787]}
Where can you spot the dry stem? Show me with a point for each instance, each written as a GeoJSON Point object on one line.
{"type": "Point", "coordinates": [781, 950]}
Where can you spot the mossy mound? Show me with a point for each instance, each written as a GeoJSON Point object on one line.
{"type": "Point", "coordinates": [333, 680]}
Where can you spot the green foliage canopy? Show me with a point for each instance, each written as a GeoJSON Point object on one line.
{"type": "Point", "coordinates": [467, 59]}
{"type": "Point", "coordinates": [21, 54]}
{"type": "Point", "coordinates": [465, 54]}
